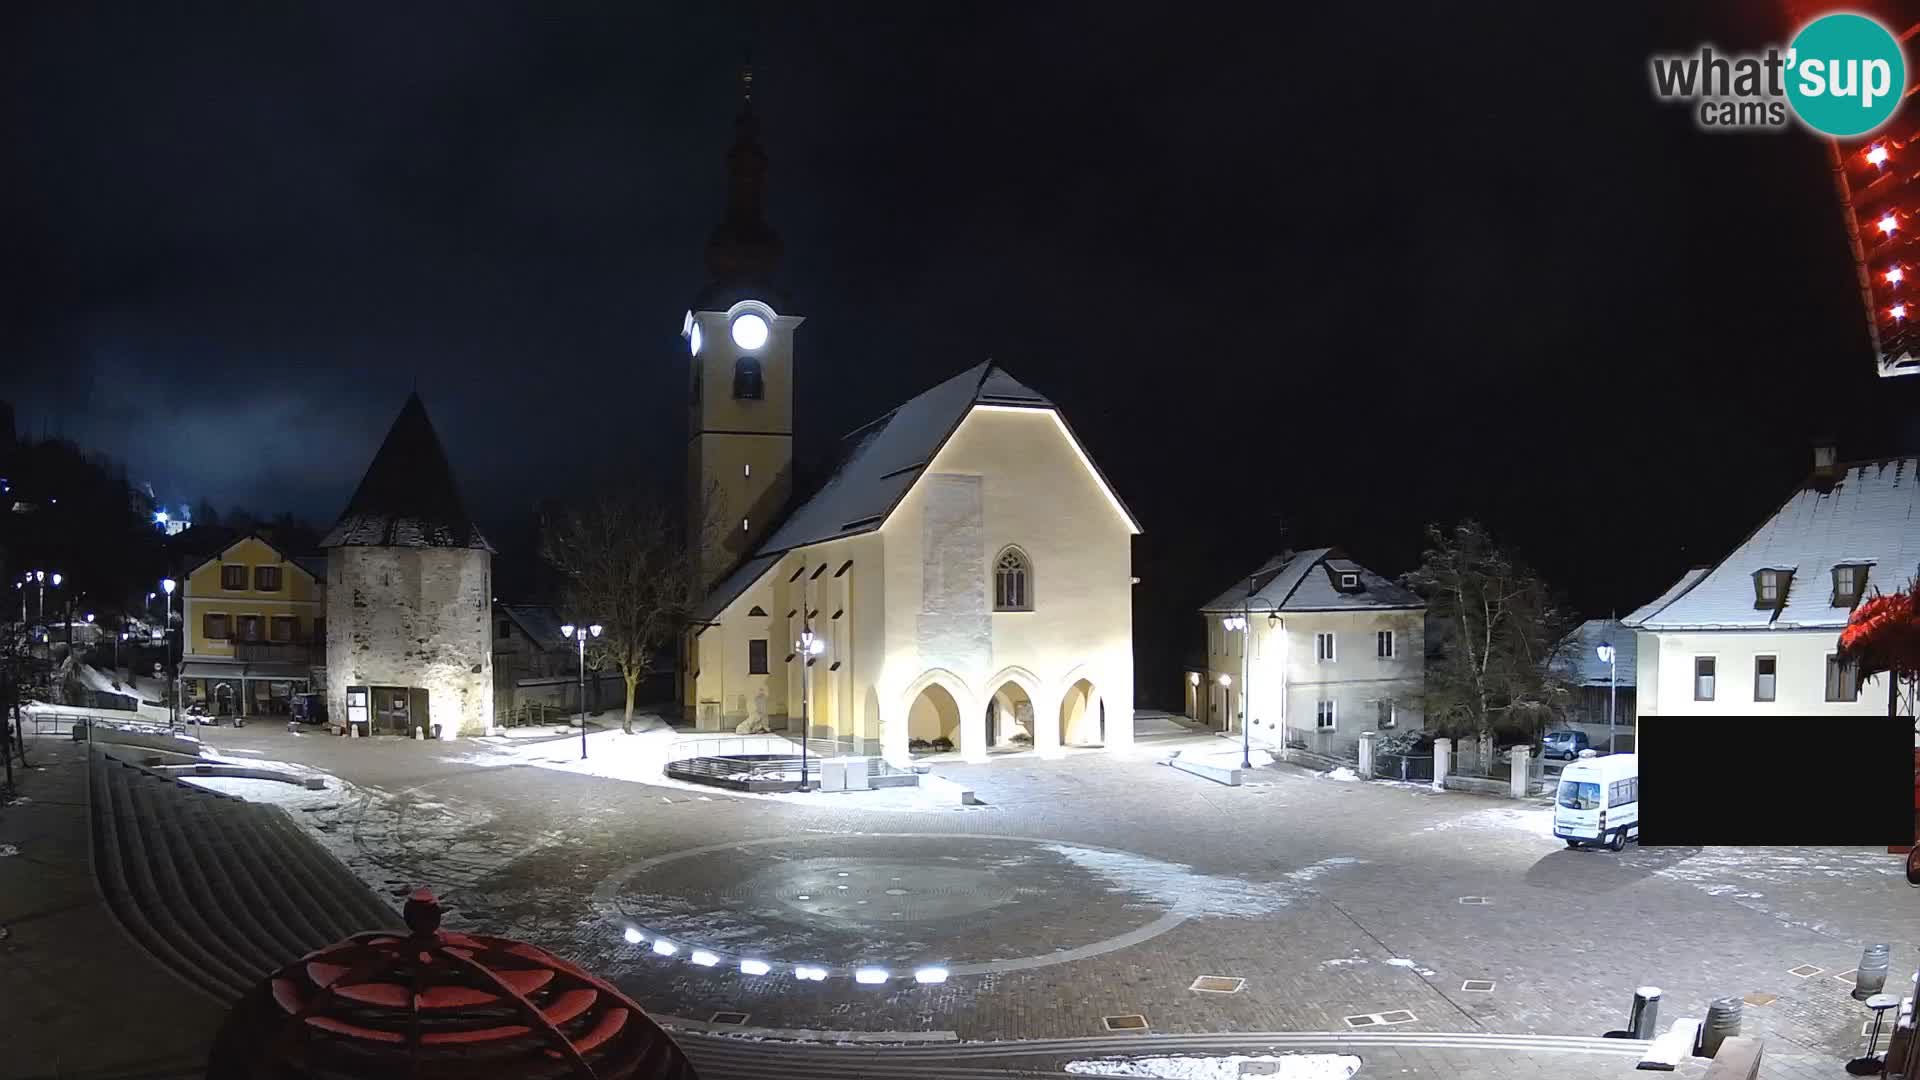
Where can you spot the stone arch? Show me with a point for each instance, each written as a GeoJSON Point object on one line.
{"type": "Point", "coordinates": [1082, 712]}
{"type": "Point", "coordinates": [1013, 705]}
{"type": "Point", "coordinates": [936, 705]}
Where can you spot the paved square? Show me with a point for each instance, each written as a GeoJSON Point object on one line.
{"type": "Point", "coordinates": [1101, 886]}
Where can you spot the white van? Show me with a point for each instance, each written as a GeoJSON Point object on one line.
{"type": "Point", "coordinates": [1598, 801]}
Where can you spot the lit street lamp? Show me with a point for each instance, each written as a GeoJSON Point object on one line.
{"type": "Point", "coordinates": [809, 646]}
{"type": "Point", "coordinates": [1610, 657]}
{"type": "Point", "coordinates": [581, 634]}
{"type": "Point", "coordinates": [167, 585]}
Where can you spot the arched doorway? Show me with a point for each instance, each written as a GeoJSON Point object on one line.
{"type": "Point", "coordinates": [1010, 718]}
{"type": "Point", "coordinates": [1083, 716]}
{"type": "Point", "coordinates": [933, 721]}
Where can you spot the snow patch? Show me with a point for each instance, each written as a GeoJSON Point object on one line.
{"type": "Point", "coordinates": [1282, 1067]}
{"type": "Point", "coordinates": [1343, 774]}
{"type": "Point", "coordinates": [1191, 892]}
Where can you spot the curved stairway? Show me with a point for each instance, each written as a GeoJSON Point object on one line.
{"type": "Point", "coordinates": [222, 891]}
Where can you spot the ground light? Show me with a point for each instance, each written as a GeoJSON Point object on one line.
{"type": "Point", "coordinates": [870, 976]}
{"type": "Point", "coordinates": [634, 937]}
{"type": "Point", "coordinates": [930, 975]}
{"type": "Point", "coordinates": [704, 958]}
{"type": "Point", "coordinates": [754, 967]}
{"type": "Point", "coordinates": [809, 973]}
{"type": "Point", "coordinates": [664, 947]}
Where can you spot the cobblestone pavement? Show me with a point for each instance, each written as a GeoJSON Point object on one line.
{"type": "Point", "coordinates": [1331, 900]}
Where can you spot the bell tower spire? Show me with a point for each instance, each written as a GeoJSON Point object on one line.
{"type": "Point", "coordinates": [744, 250]}
{"type": "Point", "coordinates": [740, 401]}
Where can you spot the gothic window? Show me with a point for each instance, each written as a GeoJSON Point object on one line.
{"type": "Point", "coordinates": [1012, 581]}
{"type": "Point", "coordinates": [747, 384]}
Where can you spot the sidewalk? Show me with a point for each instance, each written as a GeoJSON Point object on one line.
{"type": "Point", "coordinates": [80, 999]}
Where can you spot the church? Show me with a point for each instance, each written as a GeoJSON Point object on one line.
{"type": "Point", "coordinates": [961, 580]}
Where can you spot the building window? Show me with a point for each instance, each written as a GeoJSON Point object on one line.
{"type": "Point", "coordinates": [266, 579]}
{"type": "Point", "coordinates": [1848, 582]}
{"type": "Point", "coordinates": [233, 578]}
{"type": "Point", "coordinates": [283, 628]}
{"type": "Point", "coordinates": [757, 656]}
{"type": "Point", "coordinates": [747, 384]}
{"type": "Point", "coordinates": [1387, 715]}
{"type": "Point", "coordinates": [1323, 647]}
{"type": "Point", "coordinates": [214, 627]}
{"type": "Point", "coordinates": [1770, 588]}
{"type": "Point", "coordinates": [247, 628]}
{"type": "Point", "coordinates": [1765, 677]}
{"type": "Point", "coordinates": [1325, 716]}
{"type": "Point", "coordinates": [1703, 678]}
{"type": "Point", "coordinates": [1843, 683]}
{"type": "Point", "coordinates": [1012, 581]}
{"type": "Point", "coordinates": [504, 629]}
{"type": "Point", "coordinates": [1383, 644]}
{"type": "Point", "coordinates": [1350, 581]}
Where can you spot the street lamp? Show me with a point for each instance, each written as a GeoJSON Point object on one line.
{"type": "Point", "coordinates": [1610, 657]}
{"type": "Point", "coordinates": [809, 646]}
{"type": "Point", "coordinates": [580, 634]}
{"type": "Point", "coordinates": [167, 585]}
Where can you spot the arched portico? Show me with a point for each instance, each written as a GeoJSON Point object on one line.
{"type": "Point", "coordinates": [1043, 723]}
{"type": "Point", "coordinates": [1081, 713]}
{"type": "Point", "coordinates": [941, 700]}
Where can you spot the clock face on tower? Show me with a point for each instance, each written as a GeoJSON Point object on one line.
{"type": "Point", "coordinates": [749, 331]}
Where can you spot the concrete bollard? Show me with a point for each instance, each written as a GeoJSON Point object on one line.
{"type": "Point", "coordinates": [1643, 1020]}
{"type": "Point", "coordinates": [1871, 977]}
{"type": "Point", "coordinates": [1442, 762]}
{"type": "Point", "coordinates": [1521, 767]}
{"type": "Point", "coordinates": [1366, 755]}
{"type": "Point", "coordinates": [1722, 1023]}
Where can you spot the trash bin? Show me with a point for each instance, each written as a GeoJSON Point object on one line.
{"type": "Point", "coordinates": [858, 772]}
{"type": "Point", "coordinates": [833, 774]}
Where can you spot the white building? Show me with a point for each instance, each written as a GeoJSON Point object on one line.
{"type": "Point", "coordinates": [965, 572]}
{"type": "Point", "coordinates": [1316, 649]}
{"type": "Point", "coordinates": [1758, 632]}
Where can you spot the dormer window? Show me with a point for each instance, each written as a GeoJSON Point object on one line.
{"type": "Point", "coordinates": [1770, 588]}
{"type": "Point", "coordinates": [747, 384]}
{"type": "Point", "coordinates": [1350, 581]}
{"type": "Point", "coordinates": [1849, 581]}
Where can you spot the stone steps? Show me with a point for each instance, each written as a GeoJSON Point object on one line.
{"type": "Point", "coordinates": [221, 891]}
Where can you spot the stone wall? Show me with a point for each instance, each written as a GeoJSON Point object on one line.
{"type": "Point", "coordinates": [413, 617]}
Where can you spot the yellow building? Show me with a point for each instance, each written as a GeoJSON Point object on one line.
{"type": "Point", "coordinates": [255, 629]}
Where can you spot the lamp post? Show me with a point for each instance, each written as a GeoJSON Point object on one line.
{"type": "Point", "coordinates": [580, 634]}
{"type": "Point", "coordinates": [117, 642]}
{"type": "Point", "coordinates": [1610, 657]}
{"type": "Point", "coordinates": [809, 646]}
{"type": "Point", "coordinates": [167, 585]}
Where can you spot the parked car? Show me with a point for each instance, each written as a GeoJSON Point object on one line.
{"type": "Point", "coordinates": [1565, 744]}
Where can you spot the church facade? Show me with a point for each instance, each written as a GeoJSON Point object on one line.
{"type": "Point", "coordinates": [962, 580]}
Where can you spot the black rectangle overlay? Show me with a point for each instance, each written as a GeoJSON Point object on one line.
{"type": "Point", "coordinates": [1776, 781]}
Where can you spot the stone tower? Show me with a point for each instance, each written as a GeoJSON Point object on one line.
{"type": "Point", "coordinates": [740, 391]}
{"type": "Point", "coordinates": [409, 595]}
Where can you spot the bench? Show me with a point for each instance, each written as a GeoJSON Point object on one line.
{"type": "Point", "coordinates": [944, 788]}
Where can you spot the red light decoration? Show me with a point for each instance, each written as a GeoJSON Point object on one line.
{"type": "Point", "coordinates": [1877, 155]}
{"type": "Point", "coordinates": [1898, 311]}
{"type": "Point", "coordinates": [1888, 223]}
{"type": "Point", "coordinates": [1894, 274]}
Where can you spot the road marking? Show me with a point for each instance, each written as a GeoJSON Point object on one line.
{"type": "Point", "coordinates": [1367, 1020]}
{"type": "Point", "coordinates": [1218, 984]}
{"type": "Point", "coordinates": [734, 1018]}
{"type": "Point", "coordinates": [1805, 971]}
{"type": "Point", "coordinates": [1477, 986]}
{"type": "Point", "coordinates": [1128, 1022]}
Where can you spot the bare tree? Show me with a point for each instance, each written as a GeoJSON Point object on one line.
{"type": "Point", "coordinates": [1496, 631]}
{"type": "Point", "coordinates": [627, 560]}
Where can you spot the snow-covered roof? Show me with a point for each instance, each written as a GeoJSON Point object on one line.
{"type": "Point", "coordinates": [1869, 515]}
{"type": "Point", "coordinates": [1581, 662]}
{"type": "Point", "coordinates": [878, 465]}
{"type": "Point", "coordinates": [1304, 582]}
{"type": "Point", "coordinates": [408, 497]}
{"type": "Point", "coordinates": [1687, 581]}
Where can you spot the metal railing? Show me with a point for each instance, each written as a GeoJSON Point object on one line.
{"type": "Point", "coordinates": [1417, 767]}
{"type": "Point", "coordinates": [727, 745]}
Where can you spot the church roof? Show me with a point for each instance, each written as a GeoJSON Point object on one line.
{"type": "Point", "coordinates": [1289, 583]}
{"type": "Point", "coordinates": [878, 465]}
{"type": "Point", "coordinates": [408, 497]}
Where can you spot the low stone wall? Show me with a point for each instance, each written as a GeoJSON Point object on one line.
{"type": "Point", "coordinates": [1220, 774]}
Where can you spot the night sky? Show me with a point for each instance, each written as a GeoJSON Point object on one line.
{"type": "Point", "coordinates": [1351, 273]}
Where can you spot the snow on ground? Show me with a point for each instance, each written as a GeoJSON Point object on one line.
{"type": "Point", "coordinates": [1343, 774]}
{"type": "Point", "coordinates": [1282, 1067]}
{"type": "Point", "coordinates": [1190, 891]}
{"type": "Point", "coordinates": [1535, 820]}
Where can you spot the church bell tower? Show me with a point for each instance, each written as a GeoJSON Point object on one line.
{"type": "Point", "coordinates": [740, 391]}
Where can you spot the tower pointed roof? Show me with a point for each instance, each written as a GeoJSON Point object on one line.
{"type": "Point", "coordinates": [743, 250]}
{"type": "Point", "coordinates": [408, 497]}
